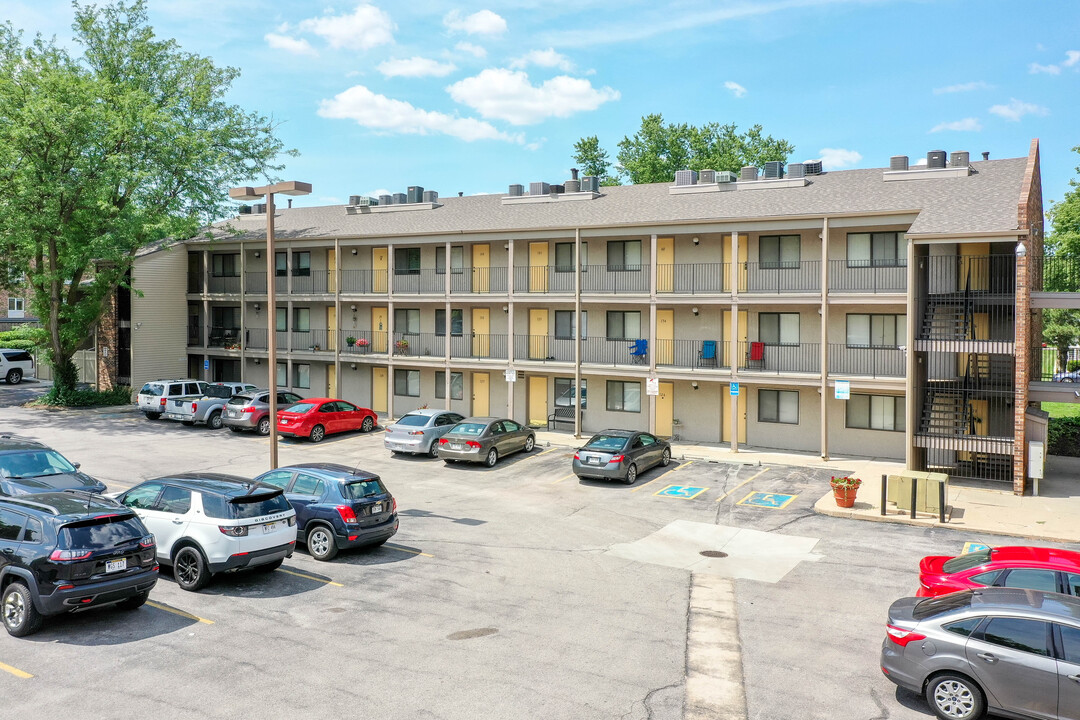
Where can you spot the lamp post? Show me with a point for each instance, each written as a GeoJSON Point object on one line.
{"type": "Point", "coordinates": [268, 191]}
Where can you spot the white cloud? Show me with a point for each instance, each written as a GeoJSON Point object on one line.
{"type": "Point", "coordinates": [416, 67]}
{"type": "Point", "coordinates": [736, 89]}
{"type": "Point", "coordinates": [543, 58]}
{"type": "Point", "coordinates": [962, 87]}
{"type": "Point", "coordinates": [384, 114]}
{"type": "Point", "coordinates": [1072, 57]}
{"type": "Point", "coordinates": [377, 193]}
{"type": "Point", "coordinates": [838, 158]}
{"type": "Point", "coordinates": [1017, 109]}
{"type": "Point", "coordinates": [508, 95]}
{"type": "Point", "coordinates": [474, 50]}
{"type": "Point", "coordinates": [483, 22]}
{"type": "Point", "coordinates": [296, 46]}
{"type": "Point", "coordinates": [365, 28]}
{"type": "Point", "coordinates": [1034, 68]}
{"type": "Point", "coordinates": [966, 125]}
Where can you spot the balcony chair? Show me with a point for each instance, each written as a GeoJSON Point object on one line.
{"type": "Point", "coordinates": [639, 351]}
{"type": "Point", "coordinates": [707, 356]}
{"type": "Point", "coordinates": [756, 356]}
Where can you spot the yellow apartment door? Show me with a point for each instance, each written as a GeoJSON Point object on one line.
{"type": "Point", "coordinates": [481, 260]}
{"type": "Point", "coordinates": [665, 409]}
{"type": "Point", "coordinates": [731, 353]}
{"type": "Point", "coordinates": [331, 269]}
{"type": "Point", "coordinates": [379, 267]}
{"type": "Point", "coordinates": [744, 245]}
{"type": "Point", "coordinates": [538, 334]}
{"type": "Point", "coordinates": [665, 264]}
{"type": "Point", "coordinates": [974, 260]}
{"type": "Point", "coordinates": [725, 421]}
{"type": "Point", "coordinates": [331, 328]}
{"type": "Point", "coordinates": [480, 394]}
{"type": "Point", "coordinates": [331, 381]}
{"type": "Point", "coordinates": [665, 337]}
{"type": "Point", "coordinates": [481, 328]}
{"type": "Point", "coordinates": [538, 267]}
{"type": "Point", "coordinates": [378, 329]}
{"type": "Point", "coordinates": [538, 400]}
{"type": "Point", "coordinates": [378, 389]}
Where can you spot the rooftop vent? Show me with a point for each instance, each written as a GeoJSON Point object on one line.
{"type": "Point", "coordinates": [796, 170]}
{"type": "Point", "coordinates": [386, 199]}
{"type": "Point", "coordinates": [415, 194]}
{"type": "Point", "coordinates": [363, 201]}
{"type": "Point", "coordinates": [935, 159]}
{"type": "Point", "coordinates": [430, 196]}
{"type": "Point", "coordinates": [573, 173]}
{"type": "Point", "coordinates": [400, 198]}
{"type": "Point", "coordinates": [707, 176]}
{"type": "Point", "coordinates": [258, 208]}
{"type": "Point", "coordinates": [590, 183]}
{"type": "Point", "coordinates": [813, 167]}
{"type": "Point", "coordinates": [959, 158]}
{"type": "Point", "coordinates": [774, 170]}
{"type": "Point", "coordinates": [986, 154]}
{"type": "Point", "coordinates": [686, 177]}
{"type": "Point", "coordinates": [516, 190]}
{"type": "Point", "coordinates": [749, 173]}
{"type": "Point", "coordinates": [539, 188]}
{"type": "Point", "coordinates": [898, 162]}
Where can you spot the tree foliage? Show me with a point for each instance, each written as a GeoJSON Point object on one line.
{"type": "Point", "coordinates": [107, 153]}
{"type": "Point", "coordinates": [593, 160]}
{"type": "Point", "coordinates": [1064, 238]}
{"type": "Point", "coordinates": [1061, 271]}
{"type": "Point", "coordinates": [1061, 329]}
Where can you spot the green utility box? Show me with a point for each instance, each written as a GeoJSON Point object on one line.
{"type": "Point", "coordinates": [927, 493]}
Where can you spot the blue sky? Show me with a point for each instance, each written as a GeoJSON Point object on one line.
{"type": "Point", "coordinates": [473, 96]}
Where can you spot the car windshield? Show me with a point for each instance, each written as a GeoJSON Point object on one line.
{"type": "Point", "coordinates": [101, 533]}
{"type": "Point", "coordinates": [932, 607]}
{"type": "Point", "coordinates": [608, 443]}
{"type": "Point", "coordinates": [413, 420]}
{"type": "Point", "coordinates": [245, 507]}
{"type": "Point", "coordinates": [300, 408]}
{"type": "Point", "coordinates": [219, 391]}
{"type": "Point", "coordinates": [152, 389]}
{"type": "Point", "coordinates": [357, 489]}
{"type": "Point", "coordinates": [967, 561]}
{"type": "Point", "coordinates": [34, 464]}
{"type": "Point", "coordinates": [468, 428]}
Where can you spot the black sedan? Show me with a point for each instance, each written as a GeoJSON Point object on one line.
{"type": "Point", "coordinates": [620, 455]}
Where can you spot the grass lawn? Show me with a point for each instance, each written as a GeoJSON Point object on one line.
{"type": "Point", "coordinates": [1062, 409]}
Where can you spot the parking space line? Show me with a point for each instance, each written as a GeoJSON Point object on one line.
{"type": "Point", "coordinates": [405, 549]}
{"type": "Point", "coordinates": [181, 613]}
{"type": "Point", "coordinates": [565, 477]}
{"type": "Point", "coordinates": [309, 577]}
{"type": "Point", "coordinates": [664, 475]}
{"type": "Point", "coordinates": [15, 671]}
{"type": "Point", "coordinates": [749, 479]}
{"type": "Point", "coordinates": [549, 450]}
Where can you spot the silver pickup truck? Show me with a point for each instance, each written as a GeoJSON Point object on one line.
{"type": "Point", "coordinates": [204, 408]}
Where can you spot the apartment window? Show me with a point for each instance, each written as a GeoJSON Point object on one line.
{"type": "Point", "coordinates": [779, 251]}
{"type": "Point", "coordinates": [282, 376]}
{"type": "Point", "coordinates": [281, 264]}
{"type": "Point", "coordinates": [281, 319]}
{"type": "Point", "coordinates": [407, 383]}
{"type": "Point", "coordinates": [407, 321]}
{"type": "Point", "coordinates": [876, 412]}
{"type": "Point", "coordinates": [225, 317]}
{"type": "Point", "coordinates": [881, 249]}
{"type": "Point", "coordinates": [301, 375]}
{"type": "Point", "coordinates": [455, 322]}
{"type": "Point", "coordinates": [301, 319]}
{"type": "Point", "coordinates": [778, 406]}
{"type": "Point", "coordinates": [457, 260]}
{"type": "Point", "coordinates": [623, 396]}
{"type": "Point", "coordinates": [457, 385]}
{"type": "Point", "coordinates": [879, 331]}
{"type": "Point", "coordinates": [564, 392]}
{"type": "Point", "coordinates": [226, 265]}
{"type": "Point", "coordinates": [623, 255]}
{"type": "Point", "coordinates": [564, 256]}
{"type": "Point", "coordinates": [778, 328]}
{"type": "Point", "coordinates": [407, 261]}
{"type": "Point", "coordinates": [301, 264]}
{"type": "Point", "coordinates": [15, 308]}
{"type": "Point", "coordinates": [623, 324]}
{"type": "Point", "coordinates": [564, 324]}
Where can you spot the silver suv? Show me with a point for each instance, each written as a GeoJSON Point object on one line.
{"type": "Point", "coordinates": [1007, 650]}
{"type": "Point", "coordinates": [155, 395]}
{"type": "Point", "coordinates": [250, 410]}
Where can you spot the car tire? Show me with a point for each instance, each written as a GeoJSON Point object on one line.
{"type": "Point", "coordinates": [317, 434]}
{"type": "Point", "coordinates": [214, 421]}
{"type": "Point", "coordinates": [492, 457]}
{"type": "Point", "coordinates": [433, 450]}
{"type": "Point", "coordinates": [269, 567]}
{"type": "Point", "coordinates": [631, 475]}
{"type": "Point", "coordinates": [190, 570]}
{"type": "Point", "coordinates": [665, 458]}
{"type": "Point", "coordinates": [264, 425]}
{"type": "Point", "coordinates": [530, 443]}
{"type": "Point", "coordinates": [955, 697]}
{"type": "Point", "coordinates": [236, 429]}
{"type": "Point", "coordinates": [134, 602]}
{"type": "Point", "coordinates": [187, 423]}
{"type": "Point", "coordinates": [21, 618]}
{"type": "Point", "coordinates": [368, 425]}
{"type": "Point", "coordinates": [321, 543]}
{"type": "Point", "coordinates": [152, 416]}
{"type": "Point", "coordinates": [14, 376]}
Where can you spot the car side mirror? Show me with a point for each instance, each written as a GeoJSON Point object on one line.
{"type": "Point", "coordinates": [77, 465]}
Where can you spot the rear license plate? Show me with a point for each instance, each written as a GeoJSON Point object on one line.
{"type": "Point", "coordinates": [174, 416]}
{"type": "Point", "coordinates": [455, 446]}
{"type": "Point", "coordinates": [593, 460]}
{"type": "Point", "coordinates": [376, 508]}
{"type": "Point", "coordinates": [232, 413]}
{"type": "Point", "coordinates": [270, 527]}
{"type": "Point", "coordinates": [115, 565]}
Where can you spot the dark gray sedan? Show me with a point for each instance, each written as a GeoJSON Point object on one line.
{"type": "Point", "coordinates": [620, 455]}
{"type": "Point", "coordinates": [485, 440]}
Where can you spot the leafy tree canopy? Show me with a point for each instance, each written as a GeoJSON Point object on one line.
{"type": "Point", "coordinates": [593, 160]}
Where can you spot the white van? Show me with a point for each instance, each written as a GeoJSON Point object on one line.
{"type": "Point", "coordinates": [16, 365]}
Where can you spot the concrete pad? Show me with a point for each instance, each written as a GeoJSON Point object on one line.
{"type": "Point", "coordinates": [714, 673]}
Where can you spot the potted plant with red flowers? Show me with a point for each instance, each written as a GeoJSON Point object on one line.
{"type": "Point", "coordinates": [844, 490]}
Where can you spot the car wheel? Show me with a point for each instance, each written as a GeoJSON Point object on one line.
{"type": "Point", "coordinates": [321, 543]}
{"type": "Point", "coordinates": [665, 458]}
{"type": "Point", "coordinates": [530, 443]}
{"type": "Point", "coordinates": [14, 376]}
{"type": "Point", "coordinates": [492, 457]}
{"type": "Point", "coordinates": [21, 618]}
{"type": "Point", "coordinates": [368, 424]}
{"type": "Point", "coordinates": [264, 426]}
{"type": "Point", "coordinates": [631, 475]}
{"type": "Point", "coordinates": [214, 421]}
{"type": "Point", "coordinates": [187, 423]}
{"type": "Point", "coordinates": [955, 697]}
{"type": "Point", "coordinates": [433, 451]}
{"type": "Point", "coordinates": [269, 567]}
{"type": "Point", "coordinates": [134, 602]}
{"type": "Point", "coordinates": [236, 429]}
{"type": "Point", "coordinates": [318, 433]}
{"type": "Point", "coordinates": [190, 569]}
{"type": "Point", "coordinates": [152, 416]}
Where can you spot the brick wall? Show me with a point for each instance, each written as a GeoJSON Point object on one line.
{"type": "Point", "coordinates": [108, 357]}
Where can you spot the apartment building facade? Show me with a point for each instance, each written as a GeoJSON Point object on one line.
{"type": "Point", "coordinates": [723, 312]}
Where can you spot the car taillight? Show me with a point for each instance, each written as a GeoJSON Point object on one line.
{"type": "Point", "coordinates": [233, 530]}
{"type": "Point", "coordinates": [617, 459]}
{"type": "Point", "coordinates": [248, 409]}
{"type": "Point", "coordinates": [416, 432]}
{"type": "Point", "coordinates": [902, 637]}
{"type": "Point", "coordinates": [147, 542]}
{"type": "Point", "coordinates": [394, 508]}
{"type": "Point", "coordinates": [472, 443]}
{"type": "Point", "coordinates": [576, 457]}
{"type": "Point", "coordinates": [346, 513]}
{"type": "Point", "coordinates": [194, 406]}
{"type": "Point", "coordinates": [162, 402]}
{"type": "Point", "coordinates": [70, 555]}
{"type": "Point", "coordinates": [292, 521]}
{"type": "Point", "coordinates": [444, 441]}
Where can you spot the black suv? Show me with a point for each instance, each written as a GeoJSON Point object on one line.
{"type": "Point", "coordinates": [27, 466]}
{"type": "Point", "coordinates": [64, 551]}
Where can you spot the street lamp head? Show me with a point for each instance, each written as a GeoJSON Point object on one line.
{"type": "Point", "coordinates": [244, 193]}
{"type": "Point", "coordinates": [292, 187]}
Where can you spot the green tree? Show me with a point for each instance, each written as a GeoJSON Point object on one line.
{"type": "Point", "coordinates": [593, 160]}
{"type": "Point", "coordinates": [1061, 271]}
{"type": "Point", "coordinates": [1061, 329]}
{"type": "Point", "coordinates": [106, 153]}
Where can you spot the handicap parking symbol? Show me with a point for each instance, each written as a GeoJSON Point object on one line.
{"type": "Point", "coordinates": [774, 501]}
{"type": "Point", "coordinates": [684, 492]}
{"type": "Point", "coordinates": [971, 547]}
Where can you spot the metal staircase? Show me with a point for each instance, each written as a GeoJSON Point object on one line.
{"type": "Point", "coordinates": [947, 413]}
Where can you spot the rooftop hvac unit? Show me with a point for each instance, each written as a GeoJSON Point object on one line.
{"type": "Point", "coordinates": [362, 201]}
{"type": "Point", "coordinates": [516, 191]}
{"type": "Point", "coordinates": [590, 183]}
{"type": "Point", "coordinates": [558, 189]}
{"type": "Point", "coordinates": [259, 208]}
{"type": "Point", "coordinates": [400, 198]}
{"type": "Point", "coordinates": [430, 196]}
{"type": "Point", "coordinates": [572, 186]}
{"type": "Point", "coordinates": [415, 194]}
{"type": "Point", "coordinates": [726, 176]}
{"type": "Point", "coordinates": [539, 188]}
{"type": "Point", "coordinates": [748, 173]}
{"type": "Point", "coordinates": [796, 170]}
{"type": "Point", "coordinates": [245, 209]}
{"type": "Point", "coordinates": [354, 199]}
{"type": "Point", "coordinates": [898, 162]}
{"type": "Point", "coordinates": [774, 170]}
{"type": "Point", "coordinates": [935, 159]}
{"type": "Point", "coordinates": [813, 167]}
{"type": "Point", "coordinates": [707, 176]}
{"type": "Point", "coordinates": [686, 177]}
{"type": "Point", "coordinates": [386, 199]}
{"type": "Point", "coordinates": [960, 158]}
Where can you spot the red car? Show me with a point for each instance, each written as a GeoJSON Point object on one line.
{"type": "Point", "coordinates": [315, 418]}
{"type": "Point", "coordinates": [1032, 568]}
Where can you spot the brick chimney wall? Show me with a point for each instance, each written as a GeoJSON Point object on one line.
{"type": "Point", "coordinates": [1028, 326]}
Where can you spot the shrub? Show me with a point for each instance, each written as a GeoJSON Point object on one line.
{"type": "Point", "coordinates": [86, 397]}
{"type": "Point", "coordinates": [24, 338]}
{"type": "Point", "coordinates": [1063, 436]}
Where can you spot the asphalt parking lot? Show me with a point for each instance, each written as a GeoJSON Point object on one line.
{"type": "Point", "coordinates": [514, 592]}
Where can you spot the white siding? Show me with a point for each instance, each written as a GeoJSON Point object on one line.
{"type": "Point", "coordinates": [159, 316]}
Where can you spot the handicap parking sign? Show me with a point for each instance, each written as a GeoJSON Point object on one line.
{"type": "Point", "coordinates": [684, 492]}
{"type": "Point", "coordinates": [734, 389]}
{"type": "Point", "coordinates": [774, 501]}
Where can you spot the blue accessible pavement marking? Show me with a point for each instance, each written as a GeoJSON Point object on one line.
{"type": "Point", "coordinates": [774, 501]}
{"type": "Point", "coordinates": [684, 492]}
{"type": "Point", "coordinates": [970, 547]}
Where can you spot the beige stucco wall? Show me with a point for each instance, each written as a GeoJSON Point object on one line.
{"type": "Point", "coordinates": [158, 321]}
{"type": "Point", "coordinates": [806, 435]}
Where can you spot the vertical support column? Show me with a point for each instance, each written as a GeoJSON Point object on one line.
{"type": "Point", "coordinates": [390, 328]}
{"type": "Point", "coordinates": [1022, 343]}
{"type": "Point", "coordinates": [825, 338]}
{"type": "Point", "coordinates": [652, 329]}
{"type": "Point", "coordinates": [734, 340]}
{"type": "Point", "coordinates": [243, 314]}
{"type": "Point", "coordinates": [910, 359]}
{"type": "Point", "coordinates": [337, 317]}
{"type": "Point", "coordinates": [510, 386]}
{"type": "Point", "coordinates": [577, 332]}
{"type": "Point", "coordinates": [271, 335]}
{"type": "Point", "coordinates": [205, 308]}
{"type": "Point", "coordinates": [447, 327]}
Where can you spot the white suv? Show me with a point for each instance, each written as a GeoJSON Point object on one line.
{"type": "Point", "coordinates": [155, 394]}
{"type": "Point", "coordinates": [15, 365]}
{"type": "Point", "coordinates": [207, 523]}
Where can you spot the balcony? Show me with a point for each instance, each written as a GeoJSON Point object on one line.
{"type": "Point", "coordinates": [317, 282]}
{"type": "Point", "coordinates": [544, 279]}
{"type": "Point", "coordinates": [854, 277]}
{"type": "Point", "coordinates": [423, 281]}
{"type": "Point", "coordinates": [615, 279]}
{"type": "Point", "coordinates": [693, 279]}
{"type": "Point", "coordinates": [605, 351]}
{"type": "Point", "coordinates": [364, 282]}
{"type": "Point", "coordinates": [782, 277]}
{"type": "Point", "coordinates": [224, 337]}
{"type": "Point", "coordinates": [544, 348]}
{"type": "Point", "coordinates": [310, 341]}
{"type": "Point", "coordinates": [194, 335]}
{"type": "Point", "coordinates": [694, 354]}
{"type": "Point", "coordinates": [873, 362]}
{"type": "Point", "coordinates": [427, 345]}
{"type": "Point", "coordinates": [756, 357]}
{"type": "Point", "coordinates": [364, 342]}
{"type": "Point", "coordinates": [223, 284]}
{"type": "Point", "coordinates": [478, 346]}
{"type": "Point", "coordinates": [478, 280]}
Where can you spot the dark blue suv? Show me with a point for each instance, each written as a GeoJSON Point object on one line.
{"type": "Point", "coordinates": [336, 506]}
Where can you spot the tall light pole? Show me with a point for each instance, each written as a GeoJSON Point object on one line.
{"type": "Point", "coordinates": [249, 193]}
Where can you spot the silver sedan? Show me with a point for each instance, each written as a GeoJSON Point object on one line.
{"type": "Point", "coordinates": [419, 431]}
{"type": "Point", "coordinates": [485, 440]}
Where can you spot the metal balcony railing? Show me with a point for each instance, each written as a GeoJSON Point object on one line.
{"type": "Point", "coordinates": [364, 342]}
{"type": "Point", "coordinates": [428, 345]}
{"type": "Point", "coordinates": [194, 335]}
{"type": "Point", "coordinates": [544, 279]}
{"type": "Point", "coordinates": [605, 351]}
{"type": "Point", "coordinates": [692, 354]}
{"type": "Point", "coordinates": [1056, 274]}
{"type": "Point", "coordinates": [853, 277]}
{"type": "Point", "coordinates": [194, 283]}
{"type": "Point", "coordinates": [693, 279]}
{"type": "Point", "coordinates": [782, 277]}
{"type": "Point", "coordinates": [255, 339]}
{"type": "Point", "coordinates": [477, 346]}
{"type": "Point", "coordinates": [316, 282]}
{"type": "Point", "coordinates": [224, 337]}
{"type": "Point", "coordinates": [255, 282]}
{"type": "Point", "coordinates": [476, 280]}
{"type": "Point", "coordinates": [423, 281]}
{"type": "Point", "coordinates": [224, 284]}
{"type": "Point", "coordinates": [969, 275]}
{"type": "Point", "coordinates": [614, 279]}
{"type": "Point", "coordinates": [315, 340]}
{"type": "Point", "coordinates": [544, 348]}
{"type": "Point", "coordinates": [365, 282]}
{"type": "Point", "coordinates": [775, 359]}
{"type": "Point", "coordinates": [875, 362]}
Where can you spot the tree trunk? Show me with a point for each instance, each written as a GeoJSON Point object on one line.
{"type": "Point", "coordinates": [65, 378]}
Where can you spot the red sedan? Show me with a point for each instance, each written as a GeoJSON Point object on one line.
{"type": "Point", "coordinates": [315, 418]}
{"type": "Point", "coordinates": [1033, 568]}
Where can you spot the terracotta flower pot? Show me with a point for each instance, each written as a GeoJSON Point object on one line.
{"type": "Point", "coordinates": [845, 496]}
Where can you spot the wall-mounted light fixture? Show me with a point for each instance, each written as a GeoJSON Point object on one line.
{"type": "Point", "coordinates": [353, 308]}
{"type": "Point", "coordinates": [258, 254]}
{"type": "Point", "coordinates": [694, 384]}
{"type": "Point", "coordinates": [352, 366]}
{"type": "Point", "coordinates": [506, 309]}
{"type": "Point", "coordinates": [257, 308]}
{"type": "Point", "coordinates": [256, 361]}
{"type": "Point", "coordinates": [694, 310]}
{"type": "Point", "coordinates": [696, 239]}
{"type": "Point", "coordinates": [1021, 249]}
{"type": "Point", "coordinates": [506, 246]}
{"type": "Point", "coordinates": [354, 251]}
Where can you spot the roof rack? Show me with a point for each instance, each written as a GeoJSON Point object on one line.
{"type": "Point", "coordinates": [30, 503]}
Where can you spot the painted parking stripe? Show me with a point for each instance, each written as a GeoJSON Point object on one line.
{"type": "Point", "coordinates": [564, 477]}
{"type": "Point", "coordinates": [15, 671]}
{"type": "Point", "coordinates": [181, 613]}
{"type": "Point", "coordinates": [662, 476]}
{"type": "Point", "coordinates": [744, 482]}
{"type": "Point", "coordinates": [405, 549]}
{"type": "Point", "coordinates": [309, 577]}
{"type": "Point", "coordinates": [549, 450]}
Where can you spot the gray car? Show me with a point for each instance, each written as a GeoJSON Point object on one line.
{"type": "Point", "coordinates": [251, 410]}
{"type": "Point", "coordinates": [1013, 652]}
{"type": "Point", "coordinates": [419, 431]}
{"type": "Point", "coordinates": [620, 455]}
{"type": "Point", "coordinates": [485, 440]}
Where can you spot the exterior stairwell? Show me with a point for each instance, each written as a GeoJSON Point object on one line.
{"type": "Point", "coordinates": [946, 414]}
{"type": "Point", "coordinates": [945, 320]}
